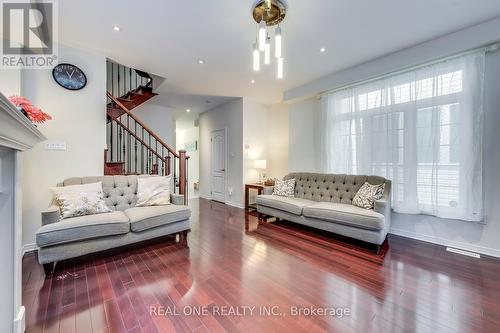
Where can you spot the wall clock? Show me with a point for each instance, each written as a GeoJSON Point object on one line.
{"type": "Point", "coordinates": [69, 76]}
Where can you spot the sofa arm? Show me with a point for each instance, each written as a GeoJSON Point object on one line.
{"type": "Point", "coordinates": [51, 215]}
{"type": "Point", "coordinates": [383, 207]}
{"type": "Point", "coordinates": [177, 199]}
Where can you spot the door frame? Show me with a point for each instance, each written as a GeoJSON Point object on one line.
{"type": "Point", "coordinates": [225, 162]}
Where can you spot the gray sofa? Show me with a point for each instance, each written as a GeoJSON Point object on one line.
{"type": "Point", "coordinates": [72, 237]}
{"type": "Point", "coordinates": [324, 201]}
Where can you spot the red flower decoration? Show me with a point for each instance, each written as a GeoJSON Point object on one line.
{"type": "Point", "coordinates": [35, 114]}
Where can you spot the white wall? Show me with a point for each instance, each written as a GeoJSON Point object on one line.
{"type": "Point", "coordinates": [255, 131]}
{"type": "Point", "coordinates": [277, 140]}
{"type": "Point", "coordinates": [160, 119]}
{"type": "Point", "coordinates": [230, 117]}
{"type": "Point", "coordinates": [10, 82]}
{"type": "Point", "coordinates": [303, 152]}
{"type": "Point", "coordinates": [466, 235]}
{"type": "Point", "coordinates": [186, 132]}
{"type": "Point", "coordinates": [79, 119]}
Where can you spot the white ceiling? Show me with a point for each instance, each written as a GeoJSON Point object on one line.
{"type": "Point", "coordinates": [182, 102]}
{"type": "Point", "coordinates": [167, 37]}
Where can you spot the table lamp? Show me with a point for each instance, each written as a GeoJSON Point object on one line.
{"type": "Point", "coordinates": [260, 165]}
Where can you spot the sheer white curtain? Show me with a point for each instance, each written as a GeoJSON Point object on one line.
{"type": "Point", "coordinates": [423, 129]}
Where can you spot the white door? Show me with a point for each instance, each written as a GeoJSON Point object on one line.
{"type": "Point", "coordinates": [218, 177]}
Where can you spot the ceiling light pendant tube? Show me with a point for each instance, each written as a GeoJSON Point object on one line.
{"type": "Point", "coordinates": [267, 51]}
{"type": "Point", "coordinates": [277, 42]}
{"type": "Point", "coordinates": [262, 34]}
{"type": "Point", "coordinates": [256, 58]}
{"type": "Point", "coordinates": [280, 68]}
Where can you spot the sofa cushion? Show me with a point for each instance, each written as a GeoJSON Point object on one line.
{"type": "Point", "coordinates": [83, 227]}
{"type": "Point", "coordinates": [345, 214]}
{"type": "Point", "coordinates": [288, 204]}
{"type": "Point", "coordinates": [143, 218]}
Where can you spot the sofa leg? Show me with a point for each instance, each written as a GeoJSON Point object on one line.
{"type": "Point", "coordinates": [183, 237]}
{"type": "Point", "coordinates": [48, 269]}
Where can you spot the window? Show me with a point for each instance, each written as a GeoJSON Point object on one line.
{"type": "Point", "coordinates": [422, 129]}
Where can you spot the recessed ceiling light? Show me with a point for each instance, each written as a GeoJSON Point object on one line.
{"type": "Point", "coordinates": [322, 49]}
{"type": "Point", "coordinates": [201, 62]}
{"type": "Point", "coordinates": [116, 28]}
{"type": "Point", "coordinates": [188, 110]}
{"type": "Point", "coordinates": [253, 81]}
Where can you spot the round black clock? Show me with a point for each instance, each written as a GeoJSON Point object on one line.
{"type": "Point", "coordinates": [69, 76]}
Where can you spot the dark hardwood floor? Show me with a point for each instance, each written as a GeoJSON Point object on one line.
{"type": "Point", "coordinates": [412, 287]}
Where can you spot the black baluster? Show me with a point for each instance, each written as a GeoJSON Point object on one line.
{"type": "Point", "coordinates": [118, 87]}
{"type": "Point", "coordinates": [124, 149]}
{"type": "Point", "coordinates": [111, 139]}
{"type": "Point", "coordinates": [175, 174]}
{"type": "Point", "coordinates": [119, 152]}
{"type": "Point", "coordinates": [142, 151]}
{"type": "Point", "coordinates": [112, 80]}
{"type": "Point", "coordinates": [124, 82]}
{"type": "Point", "coordinates": [163, 164]}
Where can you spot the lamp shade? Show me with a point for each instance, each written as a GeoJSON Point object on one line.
{"type": "Point", "coordinates": [260, 164]}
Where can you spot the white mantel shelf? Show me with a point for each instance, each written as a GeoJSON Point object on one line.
{"type": "Point", "coordinates": [16, 130]}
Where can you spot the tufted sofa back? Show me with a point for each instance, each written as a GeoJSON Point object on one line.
{"type": "Point", "coordinates": [331, 187]}
{"type": "Point", "coordinates": [120, 192]}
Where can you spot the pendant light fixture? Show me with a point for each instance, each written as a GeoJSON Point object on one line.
{"type": "Point", "coordinates": [267, 51]}
{"type": "Point", "coordinates": [280, 68]}
{"type": "Point", "coordinates": [256, 58]}
{"type": "Point", "coordinates": [269, 13]}
{"type": "Point", "coordinates": [262, 35]}
{"type": "Point", "coordinates": [277, 42]}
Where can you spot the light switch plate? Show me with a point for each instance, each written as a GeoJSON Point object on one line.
{"type": "Point", "coordinates": [55, 145]}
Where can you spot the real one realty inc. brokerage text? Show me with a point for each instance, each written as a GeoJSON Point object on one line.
{"type": "Point", "coordinates": [248, 310]}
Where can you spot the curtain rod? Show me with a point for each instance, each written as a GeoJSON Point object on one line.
{"type": "Point", "coordinates": [487, 49]}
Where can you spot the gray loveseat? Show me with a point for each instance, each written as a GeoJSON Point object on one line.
{"type": "Point", "coordinates": [72, 237]}
{"type": "Point", "coordinates": [324, 201]}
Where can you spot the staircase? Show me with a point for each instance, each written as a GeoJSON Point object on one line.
{"type": "Point", "coordinates": [133, 148]}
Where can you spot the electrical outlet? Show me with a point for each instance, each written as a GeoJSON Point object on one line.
{"type": "Point", "coordinates": [55, 145]}
{"type": "Point", "coordinates": [230, 191]}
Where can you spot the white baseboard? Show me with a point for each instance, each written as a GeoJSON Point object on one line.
{"type": "Point", "coordinates": [446, 242]}
{"type": "Point", "coordinates": [229, 203]}
{"type": "Point", "coordinates": [235, 204]}
{"type": "Point", "coordinates": [19, 320]}
{"type": "Point", "coordinates": [29, 248]}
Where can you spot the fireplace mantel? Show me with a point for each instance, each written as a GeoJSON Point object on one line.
{"type": "Point", "coordinates": [16, 131]}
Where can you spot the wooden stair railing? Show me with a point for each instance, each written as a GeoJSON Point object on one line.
{"type": "Point", "coordinates": [133, 148]}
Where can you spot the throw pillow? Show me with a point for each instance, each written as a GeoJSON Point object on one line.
{"type": "Point", "coordinates": [79, 200]}
{"type": "Point", "coordinates": [153, 191]}
{"type": "Point", "coordinates": [367, 195]}
{"type": "Point", "coordinates": [284, 188]}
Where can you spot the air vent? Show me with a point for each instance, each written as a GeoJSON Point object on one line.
{"type": "Point", "coordinates": [463, 252]}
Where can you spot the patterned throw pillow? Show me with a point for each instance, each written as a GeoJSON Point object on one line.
{"type": "Point", "coordinates": [79, 200]}
{"type": "Point", "coordinates": [153, 191]}
{"type": "Point", "coordinates": [367, 195]}
{"type": "Point", "coordinates": [284, 188]}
